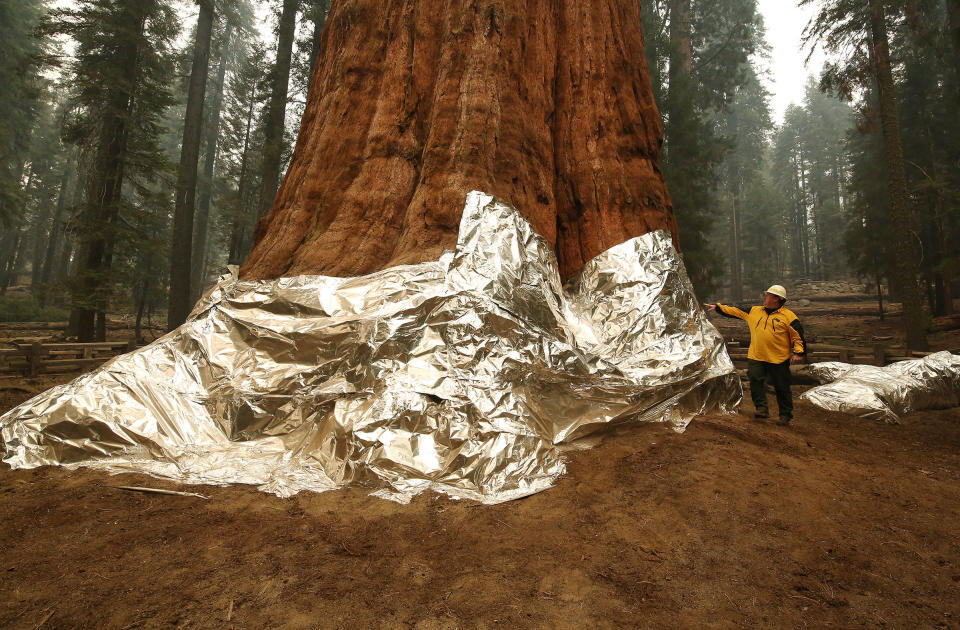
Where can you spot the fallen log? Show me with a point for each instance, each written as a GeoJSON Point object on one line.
{"type": "Point", "coordinates": [943, 324]}
{"type": "Point", "coordinates": [33, 325]}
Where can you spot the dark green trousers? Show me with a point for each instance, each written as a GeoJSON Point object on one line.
{"type": "Point", "coordinates": [778, 375]}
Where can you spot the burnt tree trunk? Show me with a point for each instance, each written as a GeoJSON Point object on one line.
{"type": "Point", "coordinates": [547, 105]}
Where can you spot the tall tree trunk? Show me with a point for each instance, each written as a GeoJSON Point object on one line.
{"type": "Point", "coordinates": [105, 190]}
{"type": "Point", "coordinates": [199, 258]}
{"type": "Point", "coordinates": [799, 211]}
{"type": "Point", "coordinates": [680, 65]}
{"type": "Point", "coordinates": [904, 269]}
{"type": "Point", "coordinates": [953, 26]}
{"type": "Point", "coordinates": [101, 206]}
{"type": "Point", "coordinates": [319, 12]}
{"type": "Point", "coordinates": [62, 270]}
{"type": "Point", "coordinates": [56, 232]}
{"type": "Point", "coordinates": [547, 105]}
{"type": "Point", "coordinates": [879, 293]}
{"type": "Point", "coordinates": [240, 232]}
{"type": "Point", "coordinates": [737, 276]}
{"type": "Point", "coordinates": [9, 247]}
{"type": "Point", "coordinates": [802, 214]}
{"type": "Point", "coordinates": [276, 108]}
{"type": "Point", "coordinates": [40, 236]}
{"type": "Point", "coordinates": [67, 265]}
{"type": "Point", "coordinates": [818, 234]}
{"type": "Point", "coordinates": [179, 305]}
{"type": "Point", "coordinates": [681, 45]}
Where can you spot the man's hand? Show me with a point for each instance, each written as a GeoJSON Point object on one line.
{"type": "Point", "coordinates": [796, 358]}
{"type": "Point", "coordinates": [710, 307]}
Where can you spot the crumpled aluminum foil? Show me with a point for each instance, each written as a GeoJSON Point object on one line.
{"type": "Point", "coordinates": [460, 375]}
{"type": "Point", "coordinates": [886, 393]}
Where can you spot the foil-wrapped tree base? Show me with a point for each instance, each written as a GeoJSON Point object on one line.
{"type": "Point", "coordinates": [460, 375]}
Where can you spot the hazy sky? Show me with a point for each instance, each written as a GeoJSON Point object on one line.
{"type": "Point", "coordinates": [785, 23]}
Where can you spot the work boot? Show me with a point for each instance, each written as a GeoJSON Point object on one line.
{"type": "Point", "coordinates": [760, 414]}
{"type": "Point", "coordinates": [784, 421]}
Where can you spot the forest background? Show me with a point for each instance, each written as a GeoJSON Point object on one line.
{"type": "Point", "coordinates": [108, 103]}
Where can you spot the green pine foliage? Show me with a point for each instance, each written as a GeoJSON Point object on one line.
{"type": "Point", "coordinates": [21, 54]}
{"type": "Point", "coordinates": [925, 78]}
{"type": "Point", "coordinates": [119, 92]}
{"type": "Point", "coordinates": [810, 165]}
{"type": "Point", "coordinates": [24, 308]}
{"type": "Point", "coordinates": [722, 38]}
{"type": "Point", "coordinates": [757, 201]}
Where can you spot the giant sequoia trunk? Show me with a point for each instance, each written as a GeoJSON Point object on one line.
{"type": "Point", "coordinates": [546, 104]}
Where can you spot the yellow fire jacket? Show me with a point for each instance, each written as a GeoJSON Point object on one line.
{"type": "Point", "coordinates": [772, 335]}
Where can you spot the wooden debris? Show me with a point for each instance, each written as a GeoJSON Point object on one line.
{"type": "Point", "coordinates": [45, 619]}
{"type": "Point", "coordinates": [160, 491]}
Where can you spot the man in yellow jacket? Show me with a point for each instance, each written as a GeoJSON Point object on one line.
{"type": "Point", "coordinates": [776, 341]}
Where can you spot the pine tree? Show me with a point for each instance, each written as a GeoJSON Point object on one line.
{"type": "Point", "coordinates": [930, 143]}
{"type": "Point", "coordinates": [746, 124]}
{"type": "Point", "coordinates": [953, 28]}
{"type": "Point", "coordinates": [119, 80]}
{"type": "Point", "coordinates": [276, 108]}
{"type": "Point", "coordinates": [21, 51]}
{"type": "Point", "coordinates": [242, 138]}
{"type": "Point", "coordinates": [868, 232]}
{"type": "Point", "coordinates": [826, 123]}
{"type": "Point", "coordinates": [858, 34]}
{"type": "Point", "coordinates": [206, 183]}
{"type": "Point", "coordinates": [183, 219]}
{"type": "Point", "coordinates": [700, 57]}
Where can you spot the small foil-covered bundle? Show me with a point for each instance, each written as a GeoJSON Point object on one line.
{"type": "Point", "coordinates": [886, 393]}
{"type": "Point", "coordinates": [460, 375]}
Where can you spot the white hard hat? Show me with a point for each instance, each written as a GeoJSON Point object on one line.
{"type": "Point", "coordinates": [778, 291]}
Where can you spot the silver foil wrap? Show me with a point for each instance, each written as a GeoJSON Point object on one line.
{"type": "Point", "coordinates": [461, 375]}
{"type": "Point", "coordinates": [886, 393]}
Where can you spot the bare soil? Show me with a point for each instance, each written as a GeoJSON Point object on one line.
{"type": "Point", "coordinates": [835, 521]}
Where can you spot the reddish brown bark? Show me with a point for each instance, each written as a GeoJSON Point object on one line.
{"type": "Point", "coordinates": [546, 104]}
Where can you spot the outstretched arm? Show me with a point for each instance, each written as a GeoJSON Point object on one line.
{"type": "Point", "coordinates": [797, 341]}
{"type": "Point", "coordinates": [727, 311]}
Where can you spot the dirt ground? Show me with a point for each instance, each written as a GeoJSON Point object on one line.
{"type": "Point", "coordinates": [835, 521]}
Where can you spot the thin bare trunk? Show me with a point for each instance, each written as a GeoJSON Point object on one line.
{"type": "Point", "coordinates": [905, 265]}
{"type": "Point", "coordinates": [8, 258]}
{"type": "Point", "coordinates": [56, 232]}
{"type": "Point", "coordinates": [199, 258]}
{"type": "Point", "coordinates": [879, 297]}
{"type": "Point", "coordinates": [276, 108]}
{"type": "Point", "coordinates": [953, 22]}
{"type": "Point", "coordinates": [735, 247]}
{"type": "Point", "coordinates": [240, 232]}
{"type": "Point", "coordinates": [320, 10]}
{"type": "Point", "coordinates": [179, 305]}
